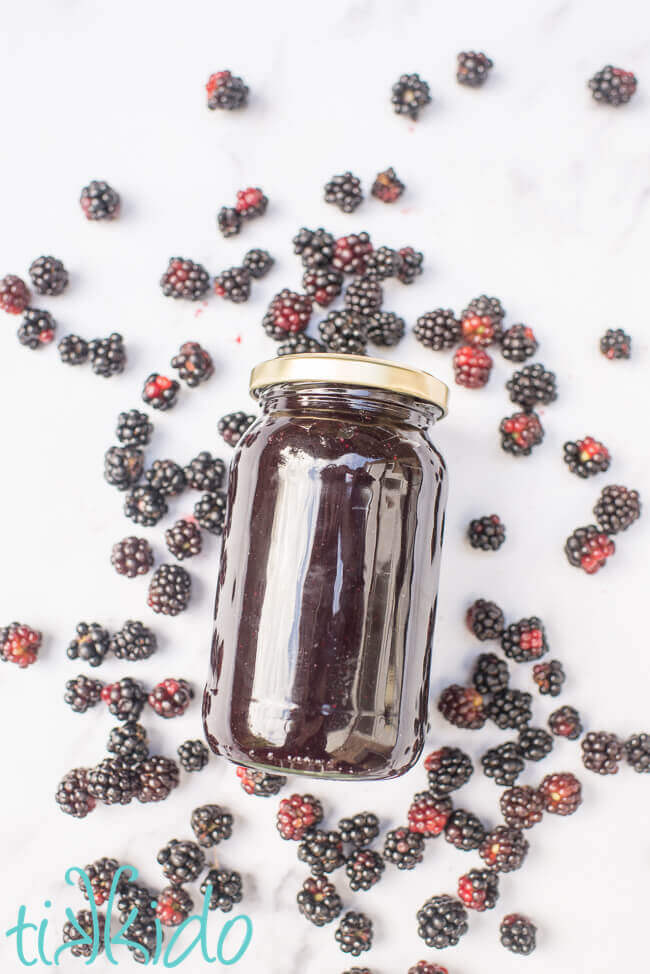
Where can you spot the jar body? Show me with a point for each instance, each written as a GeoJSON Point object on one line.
{"type": "Point", "coordinates": [327, 588]}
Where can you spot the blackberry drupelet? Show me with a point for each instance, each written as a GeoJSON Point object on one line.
{"type": "Point", "coordinates": [387, 187]}
{"type": "Point", "coordinates": [549, 677]}
{"type": "Point", "coordinates": [112, 782]}
{"type": "Point", "coordinates": [462, 707]}
{"type": "Point", "coordinates": [616, 344]}
{"type": "Point", "coordinates": [72, 794]}
{"type": "Point", "coordinates": [428, 814]}
{"type": "Point", "coordinates": [322, 851]}
{"type": "Point", "coordinates": [525, 640]}
{"type": "Point", "coordinates": [184, 279]}
{"type": "Point", "coordinates": [258, 263]}
{"type": "Point", "coordinates": [99, 201]}
{"type": "Point", "coordinates": [48, 275]}
{"type": "Point", "coordinates": [602, 752]}
{"type": "Point", "coordinates": [160, 392]}
{"type": "Point", "coordinates": [472, 68]}
{"type": "Point", "coordinates": [410, 94]}
{"type": "Point", "coordinates": [251, 202]}
{"type": "Point", "coordinates": [504, 849]}
{"type": "Point", "coordinates": [133, 642]}
{"type": "Point", "coordinates": [19, 644]}
{"type": "Point", "coordinates": [233, 284]}
{"type": "Point", "coordinates": [125, 698]}
{"type": "Point", "coordinates": [464, 830]}
{"type": "Point", "coordinates": [612, 86]}
{"type": "Point", "coordinates": [403, 848]}
{"type": "Point", "coordinates": [226, 91]}
{"type": "Point", "coordinates": [169, 590]}
{"type": "Point", "coordinates": [586, 457]}
{"type": "Point", "coordinates": [438, 329]}
{"type": "Point", "coordinates": [156, 778]}
{"type": "Point", "coordinates": [344, 191]}
{"type": "Point", "coordinates": [565, 722]}
{"type": "Point", "coordinates": [183, 539]}
{"type": "Point", "coordinates": [345, 332]}
{"type": "Point", "coordinates": [205, 472]}
{"type": "Point", "coordinates": [532, 386]}
{"type": "Point", "coordinates": [232, 426]}
{"type": "Point", "coordinates": [472, 367]}
{"type": "Point", "coordinates": [288, 313]}
{"type": "Point", "coordinates": [479, 889]}
{"type": "Point", "coordinates": [518, 343]}
{"type": "Point", "coordinates": [174, 905]}
{"type": "Point", "coordinates": [364, 868]}
{"type": "Point", "coordinates": [107, 355]}
{"type": "Point", "coordinates": [364, 295]}
{"type": "Point", "coordinates": [487, 533]}
{"type": "Point", "coordinates": [90, 645]}
{"type": "Point", "coordinates": [210, 511]}
{"type": "Point", "coordinates": [132, 556]}
{"type": "Point", "coordinates": [259, 783]}
{"type": "Point", "coordinates": [229, 221]}
{"type": "Point", "coordinates": [319, 901]}
{"type": "Point", "coordinates": [315, 247]}
{"type": "Point", "coordinates": [211, 825]}
{"type": "Point", "coordinates": [442, 921]}
{"type": "Point", "coordinates": [123, 466]}
{"type": "Point", "coordinates": [359, 829]}
{"type": "Point", "coordinates": [226, 889]}
{"type": "Point", "coordinates": [322, 284]}
{"type": "Point", "coordinates": [100, 875]}
{"type": "Point", "coordinates": [517, 934]}
{"type": "Point", "coordinates": [166, 476]}
{"type": "Point", "coordinates": [491, 674]}
{"type": "Point", "coordinates": [300, 344]}
{"type": "Point", "coordinates": [503, 763]}
{"type": "Point", "coordinates": [82, 693]}
{"type": "Point", "coordinates": [182, 862]}
{"type": "Point", "coordinates": [520, 433]}
{"type": "Point", "coordinates": [193, 755]}
{"type": "Point", "coordinates": [535, 743]}
{"type": "Point", "coordinates": [297, 815]}
{"type": "Point", "coordinates": [145, 505]}
{"type": "Point", "coordinates": [129, 743]}
{"type": "Point", "coordinates": [521, 807]}
{"type": "Point", "coordinates": [171, 698]}
{"type": "Point", "coordinates": [385, 328]}
{"type": "Point", "coordinates": [134, 428]}
{"type": "Point", "coordinates": [485, 620]}
{"type": "Point", "coordinates": [37, 328]}
{"type": "Point", "coordinates": [73, 350]}
{"type": "Point", "coordinates": [193, 363]}
{"type": "Point", "coordinates": [617, 508]}
{"type": "Point", "coordinates": [589, 548]}
{"type": "Point", "coordinates": [354, 933]}
{"type": "Point", "coordinates": [14, 295]}
{"type": "Point", "coordinates": [561, 793]}
{"type": "Point", "coordinates": [83, 930]}
{"type": "Point", "coordinates": [351, 253]}
{"type": "Point", "coordinates": [409, 264]}
{"type": "Point", "coordinates": [510, 709]}
{"type": "Point", "coordinates": [636, 752]}
{"type": "Point", "coordinates": [448, 769]}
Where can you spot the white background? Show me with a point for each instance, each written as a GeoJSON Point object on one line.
{"type": "Point", "coordinates": [526, 189]}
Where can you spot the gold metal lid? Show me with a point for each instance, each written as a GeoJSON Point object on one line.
{"type": "Point", "coordinates": [350, 370]}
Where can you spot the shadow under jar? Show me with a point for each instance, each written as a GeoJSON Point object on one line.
{"type": "Point", "coordinates": [327, 589]}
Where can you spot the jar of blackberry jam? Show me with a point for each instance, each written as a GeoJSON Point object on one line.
{"type": "Point", "coordinates": [327, 589]}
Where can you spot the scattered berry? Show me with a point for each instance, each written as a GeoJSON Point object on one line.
{"type": "Point", "coordinates": [403, 848]}
{"type": "Point", "coordinates": [422, 967]}
{"type": "Point", "coordinates": [518, 343]}
{"type": "Point", "coordinates": [549, 677]}
{"type": "Point", "coordinates": [233, 284]}
{"type": "Point", "coordinates": [484, 619]}
{"type": "Point", "coordinates": [535, 743]}
{"type": "Point", "coordinates": [472, 68]}
{"type": "Point", "coordinates": [184, 279]}
{"type": "Point", "coordinates": [174, 905]}
{"type": "Point", "coordinates": [442, 921]}
{"type": "Point", "coordinates": [82, 693]}
{"type": "Point", "coordinates": [193, 755]}
{"type": "Point", "coordinates": [288, 313]}
{"type": "Point", "coordinates": [462, 707]}
{"type": "Point", "coordinates": [211, 825]}
{"type": "Point", "coordinates": [14, 295]}
{"type": "Point", "coordinates": [480, 329]}
{"type": "Point", "coordinates": [636, 752]}
{"type": "Point", "coordinates": [193, 363]}
{"type": "Point", "coordinates": [181, 862]}
{"type": "Point", "coordinates": [90, 644]}
{"type": "Point", "coordinates": [169, 590]}
{"type": "Point", "coordinates": [382, 263]}
{"type": "Point", "coordinates": [364, 868]}
{"type": "Point", "coordinates": [504, 849]}
{"type": "Point", "coordinates": [171, 698]}
{"type": "Point", "coordinates": [319, 901]}
{"type": "Point", "coordinates": [100, 874]}
{"type": "Point", "coordinates": [360, 829]}
{"type": "Point", "coordinates": [345, 332]}
{"type": "Point", "coordinates": [520, 433]}
{"type": "Point", "coordinates": [322, 284]}
{"type": "Point", "coordinates": [259, 783]}
{"type": "Point", "coordinates": [123, 466]}
{"type": "Point", "coordinates": [157, 776]}
{"type": "Point", "coordinates": [344, 191]}
{"type": "Point", "coordinates": [37, 329]}
{"type": "Point", "coordinates": [565, 722]}
{"type": "Point", "coordinates": [525, 640]}
{"type": "Point", "coordinates": [521, 807]}
{"type": "Point", "coordinates": [479, 889]}
{"type": "Point", "coordinates": [20, 644]}
{"type": "Point", "coordinates": [129, 743]}
{"type": "Point", "coordinates": [409, 96]}
{"type": "Point", "coordinates": [387, 187]}
{"type": "Point", "coordinates": [532, 386]}
{"type": "Point", "coordinates": [73, 350]}
{"type": "Point", "coordinates": [409, 265]}
{"type": "Point", "coordinates": [503, 763]}
{"type": "Point", "coordinates": [125, 698]}
{"type": "Point", "coordinates": [438, 329]}
{"type": "Point", "coordinates": [602, 752]}
{"type": "Point", "coordinates": [229, 221]}
{"type": "Point", "coordinates": [99, 201]}
{"type": "Point", "coordinates": [166, 476]}
{"type": "Point", "coordinates": [491, 674]}
{"type": "Point", "coordinates": [132, 556]}
{"type": "Point", "coordinates": [210, 512]}
{"type": "Point", "coordinates": [297, 814]}
{"type": "Point", "coordinates": [472, 367]}
{"type": "Point", "coordinates": [48, 275]}
{"type": "Point", "coordinates": [226, 889]}
{"type": "Point", "coordinates": [486, 533]}
{"type": "Point", "coordinates": [351, 253]}
{"type": "Point", "coordinates": [112, 782]}
{"type": "Point", "coordinates": [354, 933]}
{"type": "Point", "coordinates": [315, 247]}
{"type": "Point", "coordinates": [586, 457]}
{"type": "Point", "coordinates": [205, 472]}
{"type": "Point", "coordinates": [616, 344]}
{"type": "Point", "coordinates": [183, 539]}
{"type": "Point", "coordinates": [561, 793]}
{"type": "Point", "coordinates": [159, 392]}
{"type": "Point", "coordinates": [300, 344]}
{"type": "Point", "coordinates": [251, 202]}
{"type": "Point", "coordinates": [321, 850]}
{"type": "Point", "coordinates": [258, 263]}
{"type": "Point", "coordinates": [72, 794]}
{"type": "Point", "coordinates": [518, 934]}
{"type": "Point", "coordinates": [428, 815]}
{"type": "Point", "coordinates": [510, 709]}
{"type": "Point", "coordinates": [385, 328]}
{"type": "Point", "coordinates": [464, 830]}
{"type": "Point", "coordinates": [589, 548]}
{"type": "Point", "coordinates": [134, 428]}
{"type": "Point", "coordinates": [82, 929]}
{"type": "Point", "coordinates": [448, 769]}
{"type": "Point", "coordinates": [227, 91]}
{"type": "Point", "coordinates": [617, 508]}
{"type": "Point", "coordinates": [612, 86]}
{"type": "Point", "coordinates": [145, 506]}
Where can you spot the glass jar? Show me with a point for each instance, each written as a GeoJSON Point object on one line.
{"type": "Point", "coordinates": [327, 589]}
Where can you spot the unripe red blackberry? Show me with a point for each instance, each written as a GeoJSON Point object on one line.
{"type": "Point", "coordinates": [520, 433]}
{"type": "Point", "coordinates": [589, 548]}
{"type": "Point", "coordinates": [565, 722]}
{"type": "Point", "coordinates": [387, 187]}
{"type": "Point", "coordinates": [472, 367]}
{"type": "Point", "coordinates": [297, 814]}
{"type": "Point", "coordinates": [428, 815]}
{"type": "Point", "coordinates": [171, 698]}
{"type": "Point", "coordinates": [20, 644]}
{"type": "Point", "coordinates": [184, 279]}
{"type": "Point", "coordinates": [226, 91]}
{"type": "Point", "coordinates": [525, 640]}
{"type": "Point", "coordinates": [479, 889]}
{"type": "Point", "coordinates": [586, 457]}
{"type": "Point", "coordinates": [288, 313]}
{"type": "Point", "coordinates": [561, 793]}
{"type": "Point", "coordinates": [350, 253]}
{"type": "Point", "coordinates": [14, 295]}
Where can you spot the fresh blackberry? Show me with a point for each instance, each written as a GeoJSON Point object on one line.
{"type": "Point", "coordinates": [472, 68]}
{"type": "Point", "coordinates": [423, 967]}
{"type": "Point", "coordinates": [617, 508]}
{"type": "Point", "coordinates": [561, 793]}
{"type": "Point", "coordinates": [99, 201]}
{"type": "Point", "coordinates": [535, 743]}
{"type": "Point", "coordinates": [107, 355]}
{"type": "Point", "coordinates": [183, 539]}
{"type": "Point", "coordinates": [133, 642]}
{"type": "Point", "coordinates": [288, 313]}
{"type": "Point", "coordinates": [491, 674]}
{"type": "Point", "coordinates": [90, 645]}
{"type": "Point", "coordinates": [549, 677]}
{"type": "Point", "coordinates": [251, 202]}
{"type": "Point", "coordinates": [409, 96]}
{"type": "Point", "coordinates": [364, 868]}
{"type": "Point", "coordinates": [193, 363]}
{"type": "Point", "coordinates": [351, 253]}
{"type": "Point", "coordinates": [300, 344]}
{"type": "Point", "coordinates": [73, 350]}
{"type": "Point", "coordinates": [532, 386]}
{"type": "Point", "coordinates": [20, 644]}
{"type": "Point", "coordinates": [464, 830]}
{"type": "Point", "coordinates": [123, 466]}
{"type": "Point", "coordinates": [100, 875]}
{"type": "Point", "coordinates": [472, 367]}
{"type": "Point", "coordinates": [480, 329]}
{"type": "Point", "coordinates": [82, 693]}
{"type": "Point", "coordinates": [345, 332]}
{"type": "Point", "coordinates": [364, 295]}
{"type": "Point", "coordinates": [227, 91]}
{"type": "Point", "coordinates": [510, 709]}
{"type": "Point", "coordinates": [602, 752]}
{"type": "Point", "coordinates": [586, 457]}
{"type": "Point", "coordinates": [184, 279]}
{"type": "Point", "coordinates": [112, 782]}
{"type": "Point", "coordinates": [636, 752]}
{"type": "Point", "coordinates": [322, 284]}
{"type": "Point", "coordinates": [520, 433]}
{"type": "Point", "coordinates": [612, 86]}
{"type": "Point", "coordinates": [211, 825]}
{"type": "Point", "coordinates": [72, 795]}
{"type": "Point", "coordinates": [226, 889]}
{"type": "Point", "coordinates": [517, 934]}
{"type": "Point", "coordinates": [167, 477]}
{"type": "Point", "coordinates": [448, 769]}
{"type": "Point", "coordinates": [125, 698]}
{"type": "Point", "coordinates": [210, 512]}
{"type": "Point", "coordinates": [442, 921]}
{"type": "Point", "coordinates": [344, 191]}
{"type": "Point", "coordinates": [134, 895]}
{"type": "Point", "coordinates": [297, 815]}
{"type": "Point", "coordinates": [232, 426]}
{"type": "Point", "coordinates": [437, 329]}
{"type": "Point", "coordinates": [134, 428]}
{"type": "Point", "coordinates": [462, 707]}
{"type": "Point", "coordinates": [229, 221]}
{"type": "Point", "coordinates": [14, 295]}
{"type": "Point", "coordinates": [132, 556]}
{"type": "Point", "coordinates": [485, 307]}
{"type": "Point", "coordinates": [387, 187]}
{"type": "Point", "coordinates": [169, 590]}
{"type": "Point", "coordinates": [89, 933]}
{"type": "Point", "coordinates": [145, 505]}
{"type": "Point", "coordinates": [354, 933]}
{"type": "Point", "coordinates": [174, 906]}
{"type": "Point", "coordinates": [48, 275]}
{"type": "Point", "coordinates": [487, 533]}
{"type": "Point", "coordinates": [382, 263]}
{"type": "Point", "coordinates": [129, 743]}
{"type": "Point", "coordinates": [258, 263]}
{"type": "Point", "coordinates": [160, 392]}
{"type": "Point", "coordinates": [360, 829]}
{"type": "Point", "coordinates": [403, 848]}
{"type": "Point", "coordinates": [259, 783]}
{"type": "Point", "coordinates": [143, 939]}
{"type": "Point", "coordinates": [504, 849]}
{"type": "Point", "coordinates": [409, 265]}
{"type": "Point", "coordinates": [518, 343]}
{"type": "Point", "coordinates": [171, 698]}
{"type": "Point", "coordinates": [233, 284]}
{"type": "Point", "coordinates": [37, 328]}
{"type": "Point", "coordinates": [182, 862]}
{"type": "Point", "coordinates": [322, 851]}
{"type": "Point", "coordinates": [479, 889]}
{"type": "Point", "coordinates": [503, 763]}
{"type": "Point", "coordinates": [156, 778]}
{"type": "Point", "coordinates": [589, 548]}
{"type": "Point", "coordinates": [385, 328]}
{"type": "Point", "coordinates": [616, 344]}
{"type": "Point", "coordinates": [319, 901]}
{"type": "Point", "coordinates": [521, 807]}
{"type": "Point", "coordinates": [315, 247]}
{"type": "Point", "coordinates": [193, 755]}
{"type": "Point", "coordinates": [525, 640]}
{"type": "Point", "coordinates": [428, 814]}
{"type": "Point", "coordinates": [485, 620]}
{"type": "Point", "coordinates": [205, 472]}
{"type": "Point", "coordinates": [565, 722]}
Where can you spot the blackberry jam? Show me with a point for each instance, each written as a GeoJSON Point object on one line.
{"type": "Point", "coordinates": [327, 589]}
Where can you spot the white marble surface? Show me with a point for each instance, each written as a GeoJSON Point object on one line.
{"type": "Point", "coordinates": [525, 189]}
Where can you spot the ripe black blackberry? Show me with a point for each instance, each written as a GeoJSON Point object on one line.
{"type": "Point", "coordinates": [428, 814]}
{"type": "Point", "coordinates": [520, 433]}
{"type": "Point", "coordinates": [288, 313]}
{"type": "Point", "coordinates": [521, 807]}
{"type": "Point", "coordinates": [134, 428]}
{"type": "Point", "coordinates": [37, 328]}
{"type": "Point", "coordinates": [586, 457]}
{"type": "Point", "coordinates": [385, 328]}
{"type": "Point", "coordinates": [616, 344]}
{"type": "Point", "coordinates": [132, 556]}
{"type": "Point", "coordinates": [448, 768]}
{"type": "Point", "coordinates": [464, 830]}
{"type": "Point", "coordinates": [156, 778]}
{"type": "Point", "coordinates": [232, 426]}
{"type": "Point", "coordinates": [344, 191]}
{"type": "Point", "coordinates": [472, 68]}
{"type": "Point", "coordinates": [72, 795]}
{"type": "Point", "coordinates": [125, 698]}
{"type": "Point", "coordinates": [229, 221]}
{"type": "Point", "coordinates": [490, 674]}
{"type": "Point", "coordinates": [534, 743]}
{"type": "Point", "coordinates": [259, 783]}
{"type": "Point", "coordinates": [112, 782]}
{"type": "Point", "coordinates": [322, 851]}
{"type": "Point", "coordinates": [588, 548]}
{"type": "Point", "coordinates": [422, 967]}
{"type": "Point", "coordinates": [503, 763]}
{"type": "Point", "coordinates": [463, 707]}
{"type": "Point", "coordinates": [561, 793]}
{"type": "Point", "coordinates": [14, 294]}
{"type": "Point", "coordinates": [387, 187]}
{"type": "Point", "coordinates": [437, 329]}
{"type": "Point", "coordinates": [319, 901]}
{"type": "Point", "coordinates": [184, 279]}
{"type": "Point", "coordinates": [193, 755]}
{"type": "Point", "coordinates": [210, 512]}
{"type": "Point", "coordinates": [617, 508]}
{"type": "Point", "coordinates": [364, 295]}
{"type": "Point", "coordinates": [602, 752]}
{"type": "Point", "coordinates": [226, 889]}
{"type": "Point", "coordinates": [612, 86]}
{"type": "Point", "coordinates": [409, 265]}
{"type": "Point", "coordinates": [73, 350]}
{"type": "Point", "coordinates": [504, 849]}
{"type": "Point", "coordinates": [129, 743]}
{"type": "Point", "coordinates": [233, 284]}
{"type": "Point", "coordinates": [123, 466]}
{"type": "Point", "coordinates": [382, 263]}
{"type": "Point", "coordinates": [258, 263]}
{"type": "Point", "coordinates": [48, 275]}
{"type": "Point", "coordinates": [354, 933]}
{"type": "Point", "coordinates": [409, 96]}
{"type": "Point", "coordinates": [133, 642]}
{"type": "Point", "coordinates": [518, 343]}
{"type": "Point", "coordinates": [181, 861]}
{"type": "Point", "coordinates": [100, 875]}
{"type": "Point", "coordinates": [322, 284]}
{"type": "Point", "coordinates": [169, 590]}
{"type": "Point", "coordinates": [351, 253]}
{"type": "Point", "coordinates": [549, 677]}
{"type": "Point", "coordinates": [193, 363]}
{"type": "Point", "coordinates": [183, 539]}
{"type": "Point", "coordinates": [83, 930]}
{"type": "Point", "coordinates": [359, 829]}
{"type": "Point", "coordinates": [145, 505]}
{"type": "Point", "coordinates": [99, 201]}
{"type": "Point", "coordinates": [211, 825]}
{"type": "Point", "coordinates": [525, 640]}
{"type": "Point", "coordinates": [565, 722]}
{"type": "Point", "coordinates": [226, 91]}
{"type": "Point", "coordinates": [442, 921]}
{"type": "Point", "coordinates": [142, 937]}
{"type": "Point", "coordinates": [510, 709]}
{"type": "Point", "coordinates": [485, 620]}
{"type": "Point", "coordinates": [135, 896]}
{"type": "Point", "coordinates": [174, 905]}
{"type": "Point", "coordinates": [485, 307]}
{"type": "Point", "coordinates": [82, 693]}
{"type": "Point", "coordinates": [487, 533]}
{"type": "Point", "coordinates": [364, 868]}
{"type": "Point", "coordinates": [403, 848]}
{"type": "Point", "coordinates": [205, 472]}
{"type": "Point", "coordinates": [345, 332]}
{"type": "Point", "coordinates": [171, 698]}
{"type": "Point", "coordinates": [517, 934]}
{"type": "Point", "coordinates": [300, 344]}
{"type": "Point", "coordinates": [91, 644]}
{"type": "Point", "coordinates": [315, 247]}
{"type": "Point", "coordinates": [636, 752]}
{"type": "Point", "coordinates": [478, 889]}
{"type": "Point", "coordinates": [167, 477]}
{"type": "Point", "coordinates": [107, 355]}
{"type": "Point", "coordinates": [532, 386]}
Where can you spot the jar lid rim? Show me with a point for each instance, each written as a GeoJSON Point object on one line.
{"type": "Point", "coordinates": [353, 370]}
